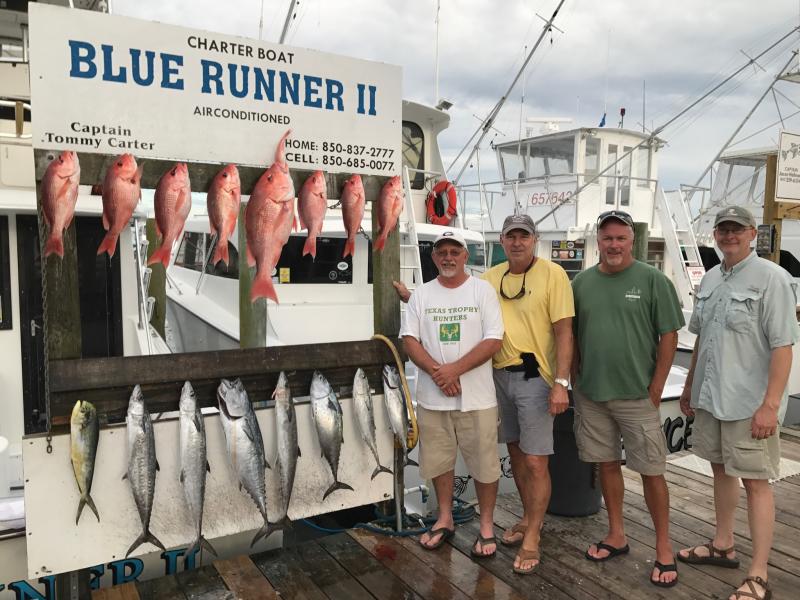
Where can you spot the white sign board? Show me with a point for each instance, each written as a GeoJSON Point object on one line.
{"type": "Point", "coordinates": [107, 84]}
{"type": "Point", "coordinates": [788, 184]}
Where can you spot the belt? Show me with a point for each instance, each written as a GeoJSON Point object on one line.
{"type": "Point", "coordinates": [515, 368]}
{"type": "Point", "coordinates": [529, 366]}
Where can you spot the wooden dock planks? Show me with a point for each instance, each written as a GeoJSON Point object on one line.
{"type": "Point", "coordinates": [244, 579]}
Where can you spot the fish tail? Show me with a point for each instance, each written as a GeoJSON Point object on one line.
{"type": "Point", "coordinates": [197, 544]}
{"type": "Point", "coordinates": [381, 469]}
{"type": "Point", "coordinates": [54, 245]}
{"type": "Point", "coordinates": [263, 288]}
{"type": "Point", "coordinates": [349, 247]}
{"type": "Point", "coordinates": [336, 485]}
{"type": "Point", "coordinates": [87, 499]}
{"type": "Point", "coordinates": [142, 539]}
{"type": "Point", "coordinates": [221, 252]}
{"type": "Point", "coordinates": [109, 244]}
{"type": "Point", "coordinates": [310, 246]}
{"type": "Point", "coordinates": [408, 462]}
{"type": "Point", "coordinates": [265, 530]}
{"type": "Point", "coordinates": [161, 254]}
{"type": "Point", "coordinates": [380, 242]}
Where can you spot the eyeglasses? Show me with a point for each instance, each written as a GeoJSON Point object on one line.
{"type": "Point", "coordinates": [734, 229]}
{"type": "Point", "coordinates": [617, 214]}
{"type": "Point", "coordinates": [453, 253]}
{"type": "Point", "coordinates": [522, 290]}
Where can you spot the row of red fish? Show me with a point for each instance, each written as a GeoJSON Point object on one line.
{"type": "Point", "coordinates": [269, 216]}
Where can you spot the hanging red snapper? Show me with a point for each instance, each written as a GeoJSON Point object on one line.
{"type": "Point", "coordinates": [223, 209]}
{"type": "Point", "coordinates": [121, 192]}
{"type": "Point", "coordinates": [268, 219]}
{"type": "Point", "coordinates": [59, 194]}
{"type": "Point", "coordinates": [353, 199]}
{"type": "Point", "coordinates": [173, 200]}
{"type": "Point", "coordinates": [390, 205]}
{"type": "Point", "coordinates": [312, 204]}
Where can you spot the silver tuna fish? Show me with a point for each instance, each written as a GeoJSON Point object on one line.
{"type": "Point", "coordinates": [362, 404]}
{"type": "Point", "coordinates": [142, 466]}
{"type": "Point", "coordinates": [245, 445]}
{"type": "Point", "coordinates": [84, 432]}
{"type": "Point", "coordinates": [395, 401]}
{"type": "Point", "coordinates": [194, 464]}
{"type": "Point", "coordinates": [327, 414]}
{"type": "Point", "coordinates": [288, 449]}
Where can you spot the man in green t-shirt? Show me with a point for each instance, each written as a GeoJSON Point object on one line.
{"type": "Point", "coordinates": [626, 319]}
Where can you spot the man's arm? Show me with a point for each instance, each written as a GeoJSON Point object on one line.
{"type": "Point", "coordinates": [449, 373]}
{"type": "Point", "coordinates": [418, 355]}
{"type": "Point", "coordinates": [665, 352]}
{"type": "Point", "coordinates": [402, 291]}
{"type": "Point", "coordinates": [559, 398]}
{"type": "Point", "coordinates": [686, 394]}
{"type": "Point", "coordinates": [765, 419]}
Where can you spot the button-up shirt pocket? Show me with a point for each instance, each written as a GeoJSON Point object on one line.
{"type": "Point", "coordinates": [743, 309]}
{"type": "Point", "coordinates": [699, 314]}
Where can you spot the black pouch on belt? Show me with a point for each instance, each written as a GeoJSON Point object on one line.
{"type": "Point", "coordinates": [531, 365]}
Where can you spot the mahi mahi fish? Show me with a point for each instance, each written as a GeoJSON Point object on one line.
{"type": "Point", "coordinates": [288, 449]}
{"type": "Point", "coordinates": [396, 407]}
{"type": "Point", "coordinates": [84, 431]}
{"type": "Point", "coordinates": [362, 404]}
{"type": "Point", "coordinates": [327, 414]}
{"type": "Point", "coordinates": [245, 445]}
{"type": "Point", "coordinates": [59, 195]}
{"type": "Point", "coordinates": [142, 466]}
{"type": "Point", "coordinates": [194, 464]}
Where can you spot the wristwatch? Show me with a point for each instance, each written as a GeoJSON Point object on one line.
{"type": "Point", "coordinates": [564, 382]}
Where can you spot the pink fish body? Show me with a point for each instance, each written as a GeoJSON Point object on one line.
{"type": "Point", "coordinates": [353, 201]}
{"type": "Point", "coordinates": [268, 219]}
{"type": "Point", "coordinates": [312, 204]}
{"type": "Point", "coordinates": [121, 192]}
{"type": "Point", "coordinates": [223, 209]}
{"type": "Point", "coordinates": [390, 205]}
{"type": "Point", "coordinates": [59, 196]}
{"type": "Point", "coordinates": [173, 200]}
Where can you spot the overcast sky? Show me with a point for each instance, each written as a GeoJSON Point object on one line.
{"type": "Point", "coordinates": [679, 48]}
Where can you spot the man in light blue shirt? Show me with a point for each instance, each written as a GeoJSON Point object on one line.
{"type": "Point", "coordinates": [744, 318]}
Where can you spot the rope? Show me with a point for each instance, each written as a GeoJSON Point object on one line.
{"type": "Point", "coordinates": [412, 436]}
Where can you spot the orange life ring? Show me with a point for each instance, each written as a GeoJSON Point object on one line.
{"type": "Point", "coordinates": [439, 212]}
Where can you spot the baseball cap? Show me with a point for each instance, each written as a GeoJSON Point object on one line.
{"type": "Point", "coordinates": [451, 235]}
{"type": "Point", "coordinates": [619, 215]}
{"type": "Point", "coordinates": [523, 222]}
{"type": "Point", "coordinates": [737, 214]}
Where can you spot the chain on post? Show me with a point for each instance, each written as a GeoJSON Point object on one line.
{"type": "Point", "coordinates": [45, 328]}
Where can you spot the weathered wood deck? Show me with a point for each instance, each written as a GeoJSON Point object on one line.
{"type": "Point", "coordinates": [358, 564]}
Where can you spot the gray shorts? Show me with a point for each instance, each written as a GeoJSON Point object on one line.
{"type": "Point", "coordinates": [524, 416]}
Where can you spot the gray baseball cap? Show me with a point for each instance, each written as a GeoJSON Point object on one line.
{"type": "Point", "coordinates": [616, 215]}
{"type": "Point", "coordinates": [735, 214]}
{"type": "Point", "coordinates": [523, 222]}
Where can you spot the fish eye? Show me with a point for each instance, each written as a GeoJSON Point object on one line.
{"type": "Point", "coordinates": [174, 171]}
{"type": "Point", "coordinates": [119, 164]}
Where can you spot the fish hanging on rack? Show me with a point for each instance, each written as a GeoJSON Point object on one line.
{"type": "Point", "coordinates": [390, 205]}
{"type": "Point", "coordinates": [84, 433]}
{"type": "Point", "coordinates": [327, 414]}
{"type": "Point", "coordinates": [353, 201]}
{"type": "Point", "coordinates": [121, 192]}
{"type": "Point", "coordinates": [288, 450]}
{"type": "Point", "coordinates": [173, 201]}
{"type": "Point", "coordinates": [223, 201]}
{"type": "Point", "coordinates": [362, 404]}
{"type": "Point", "coordinates": [312, 204]}
{"type": "Point", "coordinates": [59, 190]}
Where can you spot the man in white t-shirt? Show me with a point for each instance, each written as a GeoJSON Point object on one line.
{"type": "Point", "coordinates": [451, 328]}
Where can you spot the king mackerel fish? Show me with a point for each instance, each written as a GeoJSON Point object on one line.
{"type": "Point", "coordinates": [327, 414]}
{"type": "Point", "coordinates": [245, 445]}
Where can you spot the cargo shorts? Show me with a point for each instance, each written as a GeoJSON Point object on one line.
{"type": "Point", "coordinates": [602, 427]}
{"type": "Point", "coordinates": [731, 443]}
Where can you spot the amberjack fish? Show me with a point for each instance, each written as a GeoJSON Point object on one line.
{"type": "Point", "coordinates": [59, 196]}
{"type": "Point", "coordinates": [288, 449]}
{"type": "Point", "coordinates": [142, 466]}
{"type": "Point", "coordinates": [390, 205]}
{"type": "Point", "coordinates": [395, 401]}
{"type": "Point", "coordinates": [173, 201]}
{"type": "Point", "coordinates": [362, 404]}
{"type": "Point", "coordinates": [327, 414]}
{"type": "Point", "coordinates": [353, 201]}
{"type": "Point", "coordinates": [312, 204]}
{"type": "Point", "coordinates": [223, 201]}
{"type": "Point", "coordinates": [245, 445]}
{"type": "Point", "coordinates": [194, 464]}
{"type": "Point", "coordinates": [84, 433]}
{"type": "Point", "coordinates": [121, 192]}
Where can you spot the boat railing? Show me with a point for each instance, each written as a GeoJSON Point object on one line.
{"type": "Point", "coordinates": [19, 119]}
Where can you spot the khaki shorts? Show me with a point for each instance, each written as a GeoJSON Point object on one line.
{"type": "Point", "coordinates": [600, 425]}
{"type": "Point", "coordinates": [731, 443]}
{"type": "Point", "coordinates": [443, 432]}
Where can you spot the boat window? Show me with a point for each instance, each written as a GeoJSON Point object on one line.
{"type": "Point", "coordinates": [328, 267]}
{"type": "Point", "coordinates": [497, 254]}
{"type": "Point", "coordinates": [196, 248]}
{"type": "Point", "coordinates": [625, 171]}
{"type": "Point", "coordinates": [414, 152]}
{"type": "Point", "coordinates": [476, 254]}
{"type": "Point", "coordinates": [655, 254]}
{"type": "Point", "coordinates": [641, 167]}
{"type": "Point", "coordinates": [592, 158]}
{"type": "Point", "coordinates": [5, 276]}
{"type": "Point", "coordinates": [513, 163]}
{"type": "Point", "coordinates": [611, 182]}
{"type": "Point", "coordinates": [533, 158]}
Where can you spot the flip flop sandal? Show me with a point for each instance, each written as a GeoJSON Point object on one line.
{"type": "Point", "coordinates": [753, 593]}
{"type": "Point", "coordinates": [514, 530]}
{"type": "Point", "coordinates": [661, 570]}
{"type": "Point", "coordinates": [524, 555]}
{"type": "Point", "coordinates": [716, 556]}
{"type": "Point", "coordinates": [612, 552]}
{"type": "Point", "coordinates": [483, 541]}
{"type": "Point", "coordinates": [446, 534]}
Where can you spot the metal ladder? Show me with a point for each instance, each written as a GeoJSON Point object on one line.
{"type": "Point", "coordinates": [412, 246]}
{"type": "Point", "coordinates": [680, 243]}
{"type": "Point", "coordinates": [143, 272]}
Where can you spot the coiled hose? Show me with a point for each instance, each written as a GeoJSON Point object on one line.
{"type": "Point", "coordinates": [412, 435]}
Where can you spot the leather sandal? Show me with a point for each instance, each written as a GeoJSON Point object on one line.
{"type": "Point", "coordinates": [662, 568]}
{"type": "Point", "coordinates": [716, 556]}
{"type": "Point", "coordinates": [524, 555]}
{"type": "Point", "coordinates": [518, 528]}
{"type": "Point", "coordinates": [483, 542]}
{"type": "Point", "coordinates": [612, 552]}
{"type": "Point", "coordinates": [753, 593]}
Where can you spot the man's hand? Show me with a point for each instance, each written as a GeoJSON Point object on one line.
{"type": "Point", "coordinates": [402, 291]}
{"type": "Point", "coordinates": [445, 375]}
{"type": "Point", "coordinates": [452, 390]}
{"type": "Point", "coordinates": [655, 394]}
{"type": "Point", "coordinates": [686, 399]}
{"type": "Point", "coordinates": [764, 423]}
{"type": "Point", "coordinates": [559, 399]}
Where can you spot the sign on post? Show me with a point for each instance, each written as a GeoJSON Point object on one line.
{"type": "Point", "coordinates": [788, 179]}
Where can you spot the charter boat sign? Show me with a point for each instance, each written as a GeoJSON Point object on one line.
{"type": "Point", "coordinates": [107, 84]}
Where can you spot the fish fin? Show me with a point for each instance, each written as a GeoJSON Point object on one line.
{"type": "Point", "coordinates": [380, 242]}
{"type": "Point", "coordinates": [263, 288]}
{"type": "Point", "coordinates": [90, 502]}
{"type": "Point", "coordinates": [410, 462]}
{"type": "Point", "coordinates": [157, 467]}
{"type": "Point", "coordinates": [212, 228]}
{"type": "Point", "coordinates": [208, 468]}
{"type": "Point", "coordinates": [294, 223]}
{"type": "Point", "coordinates": [144, 538]}
{"type": "Point", "coordinates": [106, 224]}
{"type": "Point", "coordinates": [251, 260]}
{"type": "Point", "coordinates": [83, 502]}
{"type": "Point", "coordinates": [381, 469]}
{"type": "Point", "coordinates": [181, 477]}
{"type": "Point", "coordinates": [196, 420]}
{"type": "Point", "coordinates": [310, 246]}
{"type": "Point", "coordinates": [349, 247]}
{"type": "Point", "coordinates": [109, 244]}
{"type": "Point", "coordinates": [266, 462]}
{"type": "Point", "coordinates": [240, 486]}
{"type": "Point", "coordinates": [336, 485]}
{"type": "Point", "coordinates": [54, 245]}
{"type": "Point", "coordinates": [298, 451]}
{"type": "Point", "coordinates": [162, 254]}
{"type": "Point", "coordinates": [124, 477]}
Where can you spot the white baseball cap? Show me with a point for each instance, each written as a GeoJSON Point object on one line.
{"type": "Point", "coordinates": [452, 235]}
